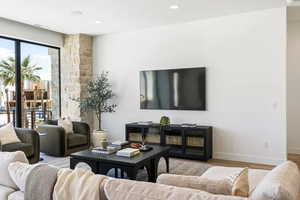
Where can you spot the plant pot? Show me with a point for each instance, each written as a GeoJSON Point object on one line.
{"type": "Point", "coordinates": [100, 139]}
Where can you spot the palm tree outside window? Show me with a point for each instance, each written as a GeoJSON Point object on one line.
{"type": "Point", "coordinates": [8, 76]}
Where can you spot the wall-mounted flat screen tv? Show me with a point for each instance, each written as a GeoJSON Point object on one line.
{"type": "Point", "coordinates": [173, 89]}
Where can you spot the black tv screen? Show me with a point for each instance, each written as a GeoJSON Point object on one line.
{"type": "Point", "coordinates": [174, 89]}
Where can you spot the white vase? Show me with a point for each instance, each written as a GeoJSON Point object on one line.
{"type": "Point", "coordinates": [100, 138]}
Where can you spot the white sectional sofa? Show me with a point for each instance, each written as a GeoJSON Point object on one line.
{"type": "Point", "coordinates": [281, 183]}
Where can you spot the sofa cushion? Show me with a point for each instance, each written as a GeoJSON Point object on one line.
{"type": "Point", "coordinates": [282, 183]}
{"type": "Point", "coordinates": [8, 134]}
{"type": "Point", "coordinates": [235, 183]}
{"type": "Point", "coordinates": [75, 140]}
{"type": "Point", "coordinates": [26, 148]}
{"type": "Point", "coordinates": [18, 195]}
{"type": "Point", "coordinates": [120, 189]}
{"type": "Point", "coordinates": [6, 158]}
{"type": "Point", "coordinates": [5, 192]}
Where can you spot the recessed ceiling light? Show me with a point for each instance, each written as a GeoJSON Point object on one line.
{"type": "Point", "coordinates": [98, 22]}
{"type": "Point", "coordinates": [174, 7]}
{"type": "Point", "coordinates": [76, 12]}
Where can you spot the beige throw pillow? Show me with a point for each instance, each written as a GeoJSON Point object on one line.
{"type": "Point", "coordinates": [234, 183]}
{"type": "Point", "coordinates": [8, 135]}
{"type": "Point", "coordinates": [67, 124]}
{"type": "Point", "coordinates": [282, 183]}
{"type": "Point", "coordinates": [240, 184]}
{"type": "Point", "coordinates": [19, 172]}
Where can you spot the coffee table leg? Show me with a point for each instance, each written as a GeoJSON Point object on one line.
{"type": "Point", "coordinates": [131, 173]}
{"type": "Point", "coordinates": [122, 173]}
{"type": "Point", "coordinates": [152, 170]}
{"type": "Point", "coordinates": [167, 163]}
{"type": "Point", "coordinates": [116, 173]}
{"type": "Point", "coordinates": [73, 163]}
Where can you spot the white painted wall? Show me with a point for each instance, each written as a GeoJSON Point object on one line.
{"type": "Point", "coordinates": [26, 32]}
{"type": "Point", "coordinates": [245, 56]}
{"type": "Point", "coordinates": [293, 87]}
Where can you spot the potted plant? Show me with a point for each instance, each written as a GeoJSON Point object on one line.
{"type": "Point", "coordinates": [98, 100]}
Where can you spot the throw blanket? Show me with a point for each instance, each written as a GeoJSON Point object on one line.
{"type": "Point", "coordinates": [40, 183]}
{"type": "Point", "coordinates": [79, 184]}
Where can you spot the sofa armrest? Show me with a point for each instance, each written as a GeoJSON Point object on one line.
{"type": "Point", "coordinates": [30, 136]}
{"type": "Point", "coordinates": [27, 135]}
{"type": "Point", "coordinates": [54, 142]}
{"type": "Point", "coordinates": [121, 189]}
{"type": "Point", "coordinates": [83, 129]}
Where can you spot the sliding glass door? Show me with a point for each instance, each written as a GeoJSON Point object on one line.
{"type": "Point", "coordinates": [34, 93]}
{"type": "Point", "coordinates": [40, 83]}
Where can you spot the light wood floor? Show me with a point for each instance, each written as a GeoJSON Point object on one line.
{"type": "Point", "coordinates": [293, 157]}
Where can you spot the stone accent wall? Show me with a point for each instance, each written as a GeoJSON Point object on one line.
{"type": "Point", "coordinates": [76, 71]}
{"type": "Point", "coordinates": [54, 87]}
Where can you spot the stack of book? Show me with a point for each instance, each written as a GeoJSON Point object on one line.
{"type": "Point", "coordinates": [108, 150]}
{"type": "Point", "coordinates": [119, 144]}
{"type": "Point", "coordinates": [128, 152]}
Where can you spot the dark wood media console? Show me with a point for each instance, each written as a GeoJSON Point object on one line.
{"type": "Point", "coordinates": [192, 142]}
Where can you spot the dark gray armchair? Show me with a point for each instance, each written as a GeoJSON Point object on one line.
{"type": "Point", "coordinates": [56, 142]}
{"type": "Point", "coordinates": [30, 144]}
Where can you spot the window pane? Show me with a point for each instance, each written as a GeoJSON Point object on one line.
{"type": "Point", "coordinates": [40, 83]}
{"type": "Point", "coordinates": [7, 81]}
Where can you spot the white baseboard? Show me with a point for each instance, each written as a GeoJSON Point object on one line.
{"type": "Point", "coordinates": [294, 150]}
{"type": "Point", "coordinates": [247, 158]}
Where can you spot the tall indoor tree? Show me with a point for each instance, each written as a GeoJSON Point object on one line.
{"type": "Point", "coordinates": [98, 98]}
{"type": "Point", "coordinates": [8, 74]}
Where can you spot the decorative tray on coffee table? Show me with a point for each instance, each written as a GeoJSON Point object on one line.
{"type": "Point", "coordinates": [145, 148]}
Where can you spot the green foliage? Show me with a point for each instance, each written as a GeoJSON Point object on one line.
{"type": "Point", "coordinates": [164, 121]}
{"type": "Point", "coordinates": [99, 96]}
{"type": "Point", "coordinates": [8, 71]}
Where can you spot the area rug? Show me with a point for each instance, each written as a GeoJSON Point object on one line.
{"type": "Point", "coordinates": [177, 166]}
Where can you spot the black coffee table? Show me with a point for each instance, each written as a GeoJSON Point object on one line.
{"type": "Point", "coordinates": [101, 163]}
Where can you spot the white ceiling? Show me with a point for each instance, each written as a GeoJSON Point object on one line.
{"type": "Point", "coordinates": [121, 15]}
